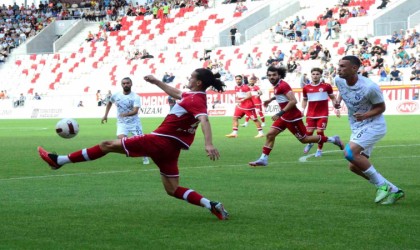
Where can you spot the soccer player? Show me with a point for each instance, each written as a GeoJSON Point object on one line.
{"type": "Point", "coordinates": [244, 106]}
{"type": "Point", "coordinates": [256, 99]}
{"type": "Point", "coordinates": [289, 117]}
{"type": "Point", "coordinates": [164, 144]}
{"type": "Point", "coordinates": [365, 104]}
{"type": "Point", "coordinates": [128, 105]}
{"type": "Point", "coordinates": [315, 98]}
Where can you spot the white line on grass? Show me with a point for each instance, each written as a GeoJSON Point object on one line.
{"type": "Point", "coordinates": [206, 166]}
{"type": "Point", "coordinates": [305, 158]}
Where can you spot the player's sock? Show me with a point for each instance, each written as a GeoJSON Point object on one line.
{"type": "Point", "coordinates": [205, 203]}
{"type": "Point", "coordinates": [188, 195]}
{"type": "Point", "coordinates": [266, 151]}
{"type": "Point", "coordinates": [63, 159]}
{"type": "Point", "coordinates": [235, 130]}
{"type": "Point", "coordinates": [246, 119]}
{"type": "Point", "coordinates": [262, 117]}
{"type": "Point", "coordinates": [86, 154]}
{"type": "Point", "coordinates": [320, 144]}
{"type": "Point", "coordinates": [374, 177]}
{"type": "Point", "coordinates": [392, 187]}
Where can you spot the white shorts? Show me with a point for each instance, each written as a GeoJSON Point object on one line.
{"type": "Point", "coordinates": [127, 129]}
{"type": "Point", "coordinates": [368, 136]}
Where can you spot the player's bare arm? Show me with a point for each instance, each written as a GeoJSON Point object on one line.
{"type": "Point", "coordinates": [334, 100]}
{"type": "Point", "coordinates": [108, 107]}
{"type": "Point", "coordinates": [266, 102]}
{"type": "Point", "coordinates": [173, 92]}
{"type": "Point", "coordinates": [135, 111]}
{"type": "Point", "coordinates": [377, 109]}
{"type": "Point", "coordinates": [211, 151]}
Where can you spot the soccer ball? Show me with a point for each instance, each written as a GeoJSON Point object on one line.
{"type": "Point", "coordinates": [67, 128]}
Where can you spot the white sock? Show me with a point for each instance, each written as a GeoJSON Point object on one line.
{"type": "Point", "coordinates": [393, 188]}
{"type": "Point", "coordinates": [374, 177]}
{"type": "Point", "coordinates": [264, 156]}
{"type": "Point", "coordinates": [63, 159]}
{"type": "Point", "coordinates": [235, 132]}
{"type": "Point", "coordinates": [330, 139]}
{"type": "Point", "coordinates": [206, 203]}
{"type": "Point", "coordinates": [245, 123]}
{"type": "Point", "coordinates": [260, 132]}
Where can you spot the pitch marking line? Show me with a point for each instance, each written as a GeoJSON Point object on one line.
{"type": "Point", "coordinates": [305, 158]}
{"type": "Point", "coordinates": [207, 166]}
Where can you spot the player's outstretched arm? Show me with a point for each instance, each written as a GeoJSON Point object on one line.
{"type": "Point", "coordinates": [174, 92]}
{"type": "Point", "coordinates": [108, 107]}
{"type": "Point", "coordinates": [211, 151]}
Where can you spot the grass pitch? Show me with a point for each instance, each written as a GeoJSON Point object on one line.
{"type": "Point", "coordinates": [118, 203]}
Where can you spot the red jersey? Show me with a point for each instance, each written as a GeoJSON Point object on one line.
{"type": "Point", "coordinates": [255, 95]}
{"type": "Point", "coordinates": [317, 96]}
{"type": "Point", "coordinates": [280, 90]}
{"type": "Point", "coordinates": [181, 122]}
{"type": "Point", "coordinates": [241, 92]}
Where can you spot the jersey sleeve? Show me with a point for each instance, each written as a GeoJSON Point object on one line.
{"type": "Point", "coordinates": [375, 95]}
{"type": "Point", "coordinates": [304, 93]}
{"type": "Point", "coordinates": [195, 104]}
{"type": "Point", "coordinates": [137, 101]}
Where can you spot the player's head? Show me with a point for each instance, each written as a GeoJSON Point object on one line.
{"type": "Point", "coordinates": [252, 80]}
{"type": "Point", "coordinates": [274, 74]}
{"type": "Point", "coordinates": [201, 79]}
{"type": "Point", "coordinates": [126, 84]}
{"type": "Point", "coordinates": [238, 80]}
{"type": "Point", "coordinates": [348, 66]}
{"type": "Point", "coordinates": [316, 74]}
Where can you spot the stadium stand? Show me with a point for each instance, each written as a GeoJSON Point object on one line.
{"type": "Point", "coordinates": [188, 39]}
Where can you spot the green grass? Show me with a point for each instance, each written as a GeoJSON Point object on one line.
{"type": "Point", "coordinates": [118, 203]}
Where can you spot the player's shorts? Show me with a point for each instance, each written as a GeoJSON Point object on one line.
{"type": "Point", "coordinates": [367, 136]}
{"type": "Point", "coordinates": [164, 151]}
{"type": "Point", "coordinates": [248, 112]}
{"type": "Point", "coordinates": [317, 123]}
{"type": "Point", "coordinates": [297, 128]}
{"type": "Point", "coordinates": [127, 129]}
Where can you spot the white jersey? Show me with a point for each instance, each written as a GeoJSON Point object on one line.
{"type": "Point", "coordinates": [360, 98]}
{"type": "Point", "coordinates": [125, 104]}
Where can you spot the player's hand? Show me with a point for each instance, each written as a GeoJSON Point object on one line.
{"type": "Point", "coordinates": [266, 103]}
{"type": "Point", "coordinates": [212, 152]}
{"type": "Point", "coordinates": [275, 117]}
{"type": "Point", "coordinates": [359, 117]}
{"type": "Point", "coordinates": [337, 105]}
{"type": "Point", "coordinates": [104, 120]}
{"type": "Point", "coordinates": [151, 79]}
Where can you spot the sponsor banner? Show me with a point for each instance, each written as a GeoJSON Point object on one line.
{"type": "Point", "coordinates": [398, 99]}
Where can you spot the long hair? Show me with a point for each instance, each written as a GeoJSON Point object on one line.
{"type": "Point", "coordinates": [280, 70]}
{"type": "Point", "coordinates": [208, 79]}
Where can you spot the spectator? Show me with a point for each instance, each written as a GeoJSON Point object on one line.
{"type": "Point", "coordinates": [394, 38]}
{"type": "Point", "coordinates": [317, 31]}
{"type": "Point", "coordinates": [90, 37]}
{"type": "Point", "coordinates": [238, 38]}
{"type": "Point", "coordinates": [249, 61]}
{"type": "Point", "coordinates": [80, 104]}
{"type": "Point", "coordinates": [383, 4]}
{"type": "Point", "coordinates": [36, 96]}
{"type": "Point", "coordinates": [383, 75]}
{"type": "Point", "coordinates": [349, 43]}
{"type": "Point", "coordinates": [233, 31]}
{"type": "Point", "coordinates": [168, 78]}
{"type": "Point", "coordinates": [395, 74]}
{"type": "Point", "coordinates": [304, 80]}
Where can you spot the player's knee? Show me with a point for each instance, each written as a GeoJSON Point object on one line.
{"type": "Point", "coordinates": [353, 168]}
{"type": "Point", "coordinates": [348, 153]}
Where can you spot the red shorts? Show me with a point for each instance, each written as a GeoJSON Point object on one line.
{"type": "Point", "coordinates": [297, 128]}
{"type": "Point", "coordinates": [248, 112]}
{"type": "Point", "coordinates": [317, 123]}
{"type": "Point", "coordinates": [164, 151]}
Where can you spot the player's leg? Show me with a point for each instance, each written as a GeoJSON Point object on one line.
{"type": "Point", "coordinates": [170, 179]}
{"type": "Point", "coordinates": [259, 111]}
{"type": "Point", "coordinates": [357, 152]}
{"type": "Point", "coordinates": [245, 124]}
{"type": "Point", "coordinates": [310, 127]}
{"type": "Point", "coordinates": [252, 114]}
{"type": "Point", "coordinates": [239, 113]}
{"type": "Point", "coordinates": [87, 154]}
{"type": "Point", "coordinates": [137, 130]}
{"type": "Point", "coordinates": [277, 127]}
{"type": "Point", "coordinates": [298, 129]}
{"type": "Point", "coordinates": [321, 125]}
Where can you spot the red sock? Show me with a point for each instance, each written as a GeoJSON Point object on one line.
{"type": "Point", "coordinates": [188, 195]}
{"type": "Point", "coordinates": [320, 144]}
{"type": "Point", "coordinates": [246, 118]}
{"type": "Point", "coordinates": [88, 154]}
{"type": "Point", "coordinates": [262, 117]}
{"type": "Point", "coordinates": [235, 128]}
{"type": "Point", "coordinates": [266, 150]}
{"type": "Point", "coordinates": [322, 139]}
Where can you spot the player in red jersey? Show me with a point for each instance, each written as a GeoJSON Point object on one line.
{"type": "Point", "coordinates": [256, 99]}
{"type": "Point", "coordinates": [244, 107]}
{"type": "Point", "coordinates": [164, 144]}
{"type": "Point", "coordinates": [289, 117]}
{"type": "Point", "coordinates": [315, 99]}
